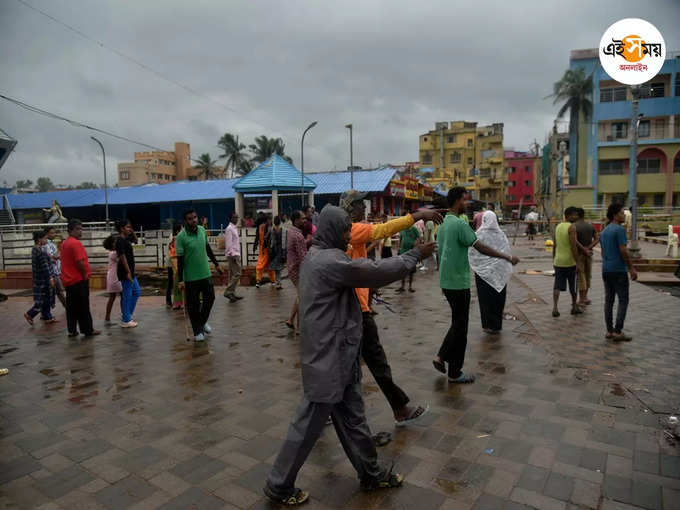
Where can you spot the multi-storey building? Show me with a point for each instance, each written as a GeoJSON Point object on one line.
{"type": "Point", "coordinates": [601, 173]}
{"type": "Point", "coordinates": [159, 167]}
{"type": "Point", "coordinates": [464, 154]}
{"type": "Point", "coordinates": [522, 172]}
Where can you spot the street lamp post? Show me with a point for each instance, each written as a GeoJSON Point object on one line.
{"type": "Point", "coordinates": [106, 187]}
{"type": "Point", "coordinates": [351, 157]}
{"type": "Point", "coordinates": [302, 164]}
{"type": "Point", "coordinates": [634, 248]}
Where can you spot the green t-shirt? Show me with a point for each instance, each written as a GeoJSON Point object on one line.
{"type": "Point", "coordinates": [407, 239]}
{"type": "Point", "coordinates": [192, 247]}
{"type": "Point", "coordinates": [563, 256]}
{"type": "Point", "coordinates": [454, 237]}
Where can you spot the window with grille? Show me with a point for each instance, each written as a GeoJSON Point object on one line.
{"type": "Point", "coordinates": [455, 157]}
{"type": "Point", "coordinates": [611, 166]}
{"type": "Point", "coordinates": [620, 129]}
{"type": "Point", "coordinates": [657, 89]}
{"type": "Point", "coordinates": [469, 160]}
{"type": "Point", "coordinates": [427, 158]}
{"type": "Point", "coordinates": [649, 166]}
{"type": "Point", "coordinates": [124, 175]}
{"type": "Point", "coordinates": [451, 138]}
{"type": "Point", "coordinates": [644, 129]}
{"type": "Point", "coordinates": [469, 142]}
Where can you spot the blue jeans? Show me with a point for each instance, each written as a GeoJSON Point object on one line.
{"type": "Point", "coordinates": [129, 297]}
{"type": "Point", "coordinates": [615, 284]}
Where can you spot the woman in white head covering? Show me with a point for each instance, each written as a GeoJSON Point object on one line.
{"type": "Point", "coordinates": [491, 274]}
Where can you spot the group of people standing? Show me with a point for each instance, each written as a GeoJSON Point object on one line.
{"type": "Point", "coordinates": [574, 241]}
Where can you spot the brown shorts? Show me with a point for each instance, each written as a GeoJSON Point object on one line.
{"type": "Point", "coordinates": [584, 269]}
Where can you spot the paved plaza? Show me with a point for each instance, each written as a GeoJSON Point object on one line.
{"type": "Point", "coordinates": [559, 417]}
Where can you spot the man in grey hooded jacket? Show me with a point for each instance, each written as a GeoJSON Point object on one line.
{"type": "Point", "coordinates": [330, 335]}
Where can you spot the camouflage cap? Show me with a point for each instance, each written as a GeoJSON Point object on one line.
{"type": "Point", "coordinates": [349, 197]}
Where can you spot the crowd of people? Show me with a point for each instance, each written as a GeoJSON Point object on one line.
{"type": "Point", "coordinates": [331, 260]}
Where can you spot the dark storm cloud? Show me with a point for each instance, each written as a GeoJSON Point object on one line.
{"type": "Point", "coordinates": [391, 68]}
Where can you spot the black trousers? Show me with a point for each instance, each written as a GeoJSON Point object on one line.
{"type": "Point", "coordinates": [455, 342]}
{"type": "Point", "coordinates": [491, 304]}
{"type": "Point", "coordinates": [200, 296]}
{"type": "Point", "coordinates": [168, 288]}
{"type": "Point", "coordinates": [78, 308]}
{"type": "Point", "coordinates": [374, 356]}
{"type": "Point", "coordinates": [615, 284]}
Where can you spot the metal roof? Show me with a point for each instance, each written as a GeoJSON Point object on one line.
{"type": "Point", "coordinates": [274, 174]}
{"type": "Point", "coordinates": [374, 180]}
{"type": "Point", "coordinates": [327, 183]}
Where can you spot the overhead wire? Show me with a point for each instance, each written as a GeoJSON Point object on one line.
{"type": "Point", "coordinates": [139, 63]}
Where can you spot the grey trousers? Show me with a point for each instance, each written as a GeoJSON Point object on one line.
{"type": "Point", "coordinates": [349, 419]}
{"type": "Point", "coordinates": [234, 274]}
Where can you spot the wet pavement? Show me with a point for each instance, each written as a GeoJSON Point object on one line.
{"type": "Point", "coordinates": [559, 417]}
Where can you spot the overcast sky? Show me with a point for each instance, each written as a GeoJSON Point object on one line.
{"type": "Point", "coordinates": [392, 68]}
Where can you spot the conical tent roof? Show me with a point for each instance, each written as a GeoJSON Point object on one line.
{"type": "Point", "coordinates": [274, 174]}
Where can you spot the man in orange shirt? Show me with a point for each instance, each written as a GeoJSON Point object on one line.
{"type": "Point", "coordinates": [371, 349]}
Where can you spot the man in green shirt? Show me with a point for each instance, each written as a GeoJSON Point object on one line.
{"type": "Point", "coordinates": [454, 238]}
{"type": "Point", "coordinates": [565, 255]}
{"type": "Point", "coordinates": [407, 240]}
{"type": "Point", "coordinates": [193, 273]}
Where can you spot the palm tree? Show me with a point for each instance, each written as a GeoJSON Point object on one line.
{"type": "Point", "coordinates": [574, 89]}
{"type": "Point", "coordinates": [206, 166]}
{"type": "Point", "coordinates": [234, 152]}
{"type": "Point", "coordinates": [265, 147]}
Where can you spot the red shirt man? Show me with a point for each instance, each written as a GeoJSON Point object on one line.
{"type": "Point", "coordinates": [72, 251]}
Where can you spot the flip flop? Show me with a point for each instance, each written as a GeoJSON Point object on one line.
{"type": "Point", "coordinates": [415, 415]}
{"type": "Point", "coordinates": [28, 319]}
{"type": "Point", "coordinates": [296, 498]}
{"type": "Point", "coordinates": [439, 365]}
{"type": "Point", "coordinates": [463, 379]}
{"type": "Point", "coordinates": [411, 290]}
{"type": "Point", "coordinates": [387, 481]}
{"type": "Point", "coordinates": [289, 325]}
{"type": "Point", "coordinates": [555, 314]}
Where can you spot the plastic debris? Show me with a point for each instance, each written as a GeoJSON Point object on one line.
{"type": "Point", "coordinates": [482, 435]}
{"type": "Point", "coordinates": [509, 317]}
{"type": "Point", "coordinates": [488, 451]}
{"type": "Point", "coordinates": [673, 420]}
{"type": "Point", "coordinates": [4, 371]}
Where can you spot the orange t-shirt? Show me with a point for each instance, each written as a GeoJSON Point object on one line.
{"type": "Point", "coordinates": [364, 233]}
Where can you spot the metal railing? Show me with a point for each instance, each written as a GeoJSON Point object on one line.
{"type": "Point", "coordinates": [8, 208]}
{"type": "Point", "coordinates": [32, 227]}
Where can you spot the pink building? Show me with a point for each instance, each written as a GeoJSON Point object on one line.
{"type": "Point", "coordinates": [522, 179]}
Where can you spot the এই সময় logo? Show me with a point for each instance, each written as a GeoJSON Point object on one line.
{"type": "Point", "coordinates": [642, 51]}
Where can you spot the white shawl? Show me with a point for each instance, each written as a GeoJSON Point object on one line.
{"type": "Point", "coordinates": [494, 271]}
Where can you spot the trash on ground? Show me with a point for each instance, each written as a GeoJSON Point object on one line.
{"type": "Point", "coordinates": [509, 317]}
{"type": "Point", "coordinates": [549, 272]}
{"type": "Point", "coordinates": [4, 371]}
{"type": "Point", "coordinates": [489, 451]}
{"type": "Point", "coordinates": [482, 435]}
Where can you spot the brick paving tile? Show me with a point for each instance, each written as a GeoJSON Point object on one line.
{"type": "Point", "coordinates": [558, 418]}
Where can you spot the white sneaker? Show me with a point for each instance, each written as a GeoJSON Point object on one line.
{"type": "Point", "coordinates": [131, 324]}
{"type": "Point", "coordinates": [207, 329]}
{"type": "Point", "coordinates": [199, 337]}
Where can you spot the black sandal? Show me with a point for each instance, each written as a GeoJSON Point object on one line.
{"type": "Point", "coordinates": [296, 498]}
{"type": "Point", "coordinates": [439, 365]}
{"type": "Point", "coordinates": [388, 481]}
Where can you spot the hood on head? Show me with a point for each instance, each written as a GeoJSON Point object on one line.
{"type": "Point", "coordinates": [333, 223]}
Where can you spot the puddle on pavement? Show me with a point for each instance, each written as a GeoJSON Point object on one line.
{"type": "Point", "coordinates": [617, 389]}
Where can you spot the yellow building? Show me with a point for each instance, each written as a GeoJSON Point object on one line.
{"type": "Point", "coordinates": [159, 167]}
{"type": "Point", "coordinates": [464, 154]}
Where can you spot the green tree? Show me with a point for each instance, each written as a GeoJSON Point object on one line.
{"type": "Point", "coordinates": [206, 166]}
{"type": "Point", "coordinates": [44, 184]}
{"type": "Point", "coordinates": [235, 154]}
{"type": "Point", "coordinates": [575, 91]}
{"type": "Point", "coordinates": [87, 185]}
{"type": "Point", "coordinates": [265, 147]}
{"type": "Point", "coordinates": [24, 184]}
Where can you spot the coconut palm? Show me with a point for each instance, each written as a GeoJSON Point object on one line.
{"type": "Point", "coordinates": [206, 166]}
{"type": "Point", "coordinates": [265, 147]}
{"type": "Point", "coordinates": [235, 154]}
{"type": "Point", "coordinates": [575, 90]}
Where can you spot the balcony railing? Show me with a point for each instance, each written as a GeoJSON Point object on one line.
{"type": "Point", "coordinates": [651, 133]}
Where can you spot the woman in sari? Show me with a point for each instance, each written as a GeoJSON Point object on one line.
{"type": "Point", "coordinates": [173, 295]}
{"type": "Point", "coordinates": [491, 274]}
{"type": "Point", "coordinates": [263, 225]}
{"type": "Point", "coordinates": [277, 256]}
{"type": "Point", "coordinates": [43, 282]}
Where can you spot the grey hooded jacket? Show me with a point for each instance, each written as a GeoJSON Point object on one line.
{"type": "Point", "coordinates": [330, 314]}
